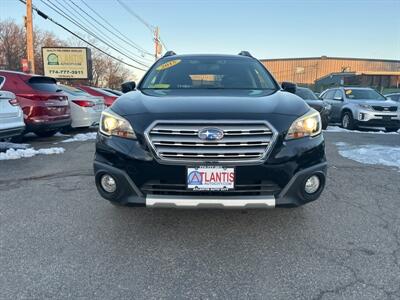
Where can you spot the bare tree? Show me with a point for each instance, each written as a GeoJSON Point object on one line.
{"type": "Point", "coordinates": [12, 44]}
{"type": "Point", "coordinates": [105, 70]}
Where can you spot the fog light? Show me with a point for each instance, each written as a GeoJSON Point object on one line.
{"type": "Point", "coordinates": [108, 183]}
{"type": "Point", "coordinates": [312, 184]}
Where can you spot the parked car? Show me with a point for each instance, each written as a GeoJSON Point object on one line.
{"type": "Point", "coordinates": [11, 116]}
{"type": "Point", "coordinates": [109, 98]}
{"type": "Point", "coordinates": [312, 100]}
{"type": "Point", "coordinates": [116, 93]}
{"type": "Point", "coordinates": [360, 106]}
{"type": "Point", "coordinates": [393, 96]}
{"type": "Point", "coordinates": [235, 140]}
{"type": "Point", "coordinates": [85, 109]}
{"type": "Point", "coordinates": [45, 107]}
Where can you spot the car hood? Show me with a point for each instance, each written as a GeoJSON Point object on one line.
{"type": "Point", "coordinates": [375, 102]}
{"type": "Point", "coordinates": [142, 108]}
{"type": "Point", "coordinates": [209, 102]}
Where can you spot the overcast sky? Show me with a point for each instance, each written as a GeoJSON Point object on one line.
{"type": "Point", "coordinates": [268, 29]}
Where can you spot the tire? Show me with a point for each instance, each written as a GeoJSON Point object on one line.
{"type": "Point", "coordinates": [67, 129]}
{"type": "Point", "coordinates": [117, 204]}
{"type": "Point", "coordinates": [324, 123]}
{"type": "Point", "coordinates": [392, 129]}
{"type": "Point", "coordinates": [347, 121]}
{"type": "Point", "coordinates": [17, 139]}
{"type": "Point", "coordinates": [46, 133]}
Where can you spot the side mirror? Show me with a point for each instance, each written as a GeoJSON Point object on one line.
{"type": "Point", "coordinates": [289, 87]}
{"type": "Point", "coordinates": [389, 98]}
{"type": "Point", "coordinates": [128, 86]}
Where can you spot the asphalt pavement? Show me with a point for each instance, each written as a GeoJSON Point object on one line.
{"type": "Point", "coordinates": [59, 239]}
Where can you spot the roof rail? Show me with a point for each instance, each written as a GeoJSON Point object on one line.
{"type": "Point", "coordinates": [169, 53]}
{"type": "Point", "coordinates": [245, 53]}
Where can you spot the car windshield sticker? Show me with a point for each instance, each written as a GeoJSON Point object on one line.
{"type": "Point", "coordinates": [160, 86]}
{"type": "Point", "coordinates": [348, 92]}
{"type": "Point", "coordinates": [168, 64]}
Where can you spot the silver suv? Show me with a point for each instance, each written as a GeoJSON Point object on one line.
{"type": "Point", "coordinates": [359, 106]}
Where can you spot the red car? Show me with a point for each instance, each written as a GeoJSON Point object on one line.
{"type": "Point", "coordinates": [45, 107]}
{"type": "Point", "coordinates": [109, 98]}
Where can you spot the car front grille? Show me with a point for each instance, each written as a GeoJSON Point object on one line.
{"type": "Point", "coordinates": [243, 141]}
{"type": "Point", "coordinates": [255, 188]}
{"type": "Point", "coordinates": [385, 108]}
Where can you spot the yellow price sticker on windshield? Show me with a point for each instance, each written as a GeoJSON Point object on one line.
{"type": "Point", "coordinates": [168, 64]}
{"type": "Point", "coordinates": [348, 92]}
{"type": "Point", "coordinates": [159, 86]}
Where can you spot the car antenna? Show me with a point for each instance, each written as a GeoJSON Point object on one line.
{"type": "Point", "coordinates": [245, 53]}
{"type": "Point", "coordinates": [169, 53]}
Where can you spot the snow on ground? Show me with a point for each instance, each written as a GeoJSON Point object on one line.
{"type": "Point", "coordinates": [340, 129]}
{"type": "Point", "coordinates": [23, 153]}
{"type": "Point", "coordinates": [59, 134]}
{"type": "Point", "coordinates": [81, 137]}
{"type": "Point", "coordinates": [7, 145]}
{"type": "Point", "coordinates": [371, 154]}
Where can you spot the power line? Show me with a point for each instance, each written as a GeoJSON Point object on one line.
{"type": "Point", "coordinates": [128, 40]}
{"type": "Point", "coordinates": [148, 25]}
{"type": "Point", "coordinates": [128, 9]}
{"type": "Point", "coordinates": [46, 17]}
{"type": "Point", "coordinates": [63, 14]}
{"type": "Point", "coordinates": [72, 13]}
{"type": "Point", "coordinates": [105, 27]}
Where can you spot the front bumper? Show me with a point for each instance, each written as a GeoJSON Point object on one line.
{"type": "Point", "coordinates": [142, 181]}
{"type": "Point", "coordinates": [366, 117]}
{"type": "Point", "coordinates": [291, 195]}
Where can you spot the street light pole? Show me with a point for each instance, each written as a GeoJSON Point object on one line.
{"type": "Point", "coordinates": [156, 41]}
{"type": "Point", "coordinates": [29, 37]}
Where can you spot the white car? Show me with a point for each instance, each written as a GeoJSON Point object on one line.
{"type": "Point", "coordinates": [85, 109]}
{"type": "Point", "coordinates": [11, 116]}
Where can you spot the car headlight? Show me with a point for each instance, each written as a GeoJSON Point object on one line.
{"type": "Point", "coordinates": [307, 125]}
{"type": "Point", "coordinates": [113, 124]}
{"type": "Point", "coordinates": [365, 106]}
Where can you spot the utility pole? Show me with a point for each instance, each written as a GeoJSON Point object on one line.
{"type": "Point", "coordinates": [156, 41]}
{"type": "Point", "coordinates": [29, 36]}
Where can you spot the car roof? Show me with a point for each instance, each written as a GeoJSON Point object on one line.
{"type": "Point", "coordinates": [225, 56]}
{"type": "Point", "coordinates": [20, 73]}
{"type": "Point", "coordinates": [350, 87]}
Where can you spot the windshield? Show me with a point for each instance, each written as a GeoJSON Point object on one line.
{"type": "Point", "coordinates": [306, 94]}
{"type": "Point", "coordinates": [359, 94]}
{"type": "Point", "coordinates": [45, 84]}
{"type": "Point", "coordinates": [208, 73]}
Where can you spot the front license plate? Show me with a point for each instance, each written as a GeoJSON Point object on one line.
{"type": "Point", "coordinates": [210, 178]}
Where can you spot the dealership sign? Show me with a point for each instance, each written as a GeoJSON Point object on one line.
{"type": "Point", "coordinates": [67, 62]}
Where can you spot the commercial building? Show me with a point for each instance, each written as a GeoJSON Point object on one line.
{"type": "Point", "coordinates": [384, 73]}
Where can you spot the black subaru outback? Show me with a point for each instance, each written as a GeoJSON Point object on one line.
{"type": "Point", "coordinates": [210, 131]}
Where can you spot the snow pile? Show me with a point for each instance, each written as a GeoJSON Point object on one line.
{"type": "Point", "coordinates": [23, 153]}
{"type": "Point", "coordinates": [7, 145]}
{"type": "Point", "coordinates": [81, 137]}
{"type": "Point", "coordinates": [340, 129]}
{"type": "Point", "coordinates": [371, 154]}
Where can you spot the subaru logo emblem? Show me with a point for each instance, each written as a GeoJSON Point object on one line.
{"type": "Point", "coordinates": [211, 134]}
{"type": "Point", "coordinates": [386, 108]}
